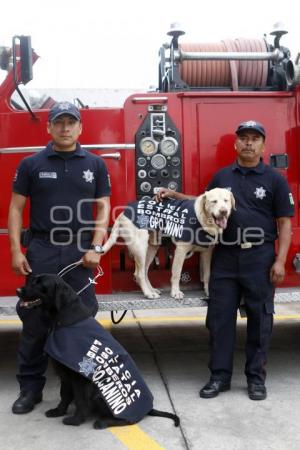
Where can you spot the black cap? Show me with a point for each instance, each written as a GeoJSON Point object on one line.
{"type": "Point", "coordinates": [62, 108]}
{"type": "Point", "coordinates": [251, 125]}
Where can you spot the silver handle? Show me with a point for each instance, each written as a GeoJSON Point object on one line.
{"type": "Point", "coordinates": [149, 99]}
{"type": "Point", "coordinates": [276, 55]}
{"type": "Point", "coordinates": [116, 156]}
{"type": "Point", "coordinates": [9, 150]}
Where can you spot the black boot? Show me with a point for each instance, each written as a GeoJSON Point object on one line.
{"type": "Point", "coordinates": [213, 388]}
{"type": "Point", "coordinates": [26, 401]}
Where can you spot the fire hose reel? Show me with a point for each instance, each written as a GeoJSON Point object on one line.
{"type": "Point", "coordinates": [237, 64]}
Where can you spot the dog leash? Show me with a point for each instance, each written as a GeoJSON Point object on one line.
{"type": "Point", "coordinates": [76, 264]}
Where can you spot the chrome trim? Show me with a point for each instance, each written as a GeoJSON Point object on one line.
{"type": "Point", "coordinates": [116, 156]}
{"type": "Point", "coordinates": [149, 99]}
{"type": "Point", "coordinates": [9, 150]}
{"type": "Point", "coordinates": [277, 55]}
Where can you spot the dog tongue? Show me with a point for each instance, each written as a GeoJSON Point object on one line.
{"type": "Point", "coordinates": [222, 222]}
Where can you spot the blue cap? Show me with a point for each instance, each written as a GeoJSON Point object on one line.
{"type": "Point", "coordinates": [251, 125]}
{"type": "Point", "coordinates": [62, 108]}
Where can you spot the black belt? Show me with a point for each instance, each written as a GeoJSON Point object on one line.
{"type": "Point", "coordinates": [247, 245]}
{"type": "Point", "coordinates": [58, 236]}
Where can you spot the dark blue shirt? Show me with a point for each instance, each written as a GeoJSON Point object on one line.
{"type": "Point", "coordinates": [173, 218]}
{"type": "Point", "coordinates": [62, 191]}
{"type": "Point", "coordinates": [262, 195]}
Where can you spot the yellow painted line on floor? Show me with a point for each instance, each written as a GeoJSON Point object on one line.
{"type": "Point", "coordinates": [134, 438]}
{"type": "Point", "coordinates": [291, 316]}
{"type": "Point", "coordinates": [108, 324]}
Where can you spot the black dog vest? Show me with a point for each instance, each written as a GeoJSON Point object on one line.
{"type": "Point", "coordinates": [87, 348]}
{"type": "Point", "coordinates": [173, 218]}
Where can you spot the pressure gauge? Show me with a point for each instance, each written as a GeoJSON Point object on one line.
{"type": "Point", "coordinates": [142, 173]}
{"type": "Point", "coordinates": [158, 161]}
{"type": "Point", "coordinates": [148, 146]}
{"type": "Point", "coordinates": [168, 146]}
{"type": "Point", "coordinates": [145, 186]}
{"type": "Point", "coordinates": [142, 162]}
{"type": "Point", "coordinates": [173, 185]}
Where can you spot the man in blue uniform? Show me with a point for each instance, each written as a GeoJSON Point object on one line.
{"type": "Point", "coordinates": [244, 265]}
{"type": "Point", "coordinates": [62, 182]}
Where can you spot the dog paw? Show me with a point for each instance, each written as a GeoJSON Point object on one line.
{"type": "Point", "coordinates": [73, 420]}
{"type": "Point", "coordinates": [178, 295]}
{"type": "Point", "coordinates": [55, 412]}
{"type": "Point", "coordinates": [152, 294]}
{"type": "Point", "coordinates": [156, 291]}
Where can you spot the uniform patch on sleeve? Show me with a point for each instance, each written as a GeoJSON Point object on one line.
{"type": "Point", "coordinates": [291, 199]}
{"type": "Point", "coordinates": [16, 175]}
{"type": "Point", "coordinates": [108, 180]}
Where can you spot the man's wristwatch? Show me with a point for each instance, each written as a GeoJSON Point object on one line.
{"type": "Point", "coordinates": [97, 248]}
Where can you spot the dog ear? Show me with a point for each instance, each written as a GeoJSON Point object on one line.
{"type": "Point", "coordinates": [202, 201]}
{"type": "Point", "coordinates": [64, 294]}
{"type": "Point", "coordinates": [232, 199]}
{"type": "Point", "coordinates": [69, 306]}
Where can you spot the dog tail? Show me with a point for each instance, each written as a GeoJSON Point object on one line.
{"type": "Point", "coordinates": [115, 233]}
{"type": "Point", "coordinates": [157, 413]}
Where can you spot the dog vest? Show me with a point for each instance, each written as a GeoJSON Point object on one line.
{"type": "Point", "coordinates": [174, 218]}
{"type": "Point", "coordinates": [87, 348]}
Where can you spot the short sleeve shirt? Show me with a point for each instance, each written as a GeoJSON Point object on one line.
{"type": "Point", "coordinates": [262, 195]}
{"type": "Point", "coordinates": [62, 191]}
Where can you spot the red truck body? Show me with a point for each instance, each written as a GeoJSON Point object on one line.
{"type": "Point", "coordinates": [202, 121]}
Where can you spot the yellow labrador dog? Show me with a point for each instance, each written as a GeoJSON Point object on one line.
{"type": "Point", "coordinates": [193, 224]}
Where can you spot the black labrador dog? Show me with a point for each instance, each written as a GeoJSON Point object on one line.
{"type": "Point", "coordinates": [96, 372]}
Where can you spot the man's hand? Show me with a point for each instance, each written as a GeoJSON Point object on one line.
{"type": "Point", "coordinates": [20, 265]}
{"type": "Point", "coordinates": [277, 272]}
{"type": "Point", "coordinates": [91, 259]}
{"type": "Point", "coordinates": [163, 193]}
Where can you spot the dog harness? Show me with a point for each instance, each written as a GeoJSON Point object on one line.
{"type": "Point", "coordinates": [87, 348]}
{"type": "Point", "coordinates": [173, 218]}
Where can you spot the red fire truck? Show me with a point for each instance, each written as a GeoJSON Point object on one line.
{"type": "Point", "coordinates": [177, 137]}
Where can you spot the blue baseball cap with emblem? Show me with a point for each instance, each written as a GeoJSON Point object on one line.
{"type": "Point", "coordinates": [62, 108]}
{"type": "Point", "coordinates": [251, 125]}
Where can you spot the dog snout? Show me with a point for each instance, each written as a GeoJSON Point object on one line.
{"type": "Point", "coordinates": [223, 212]}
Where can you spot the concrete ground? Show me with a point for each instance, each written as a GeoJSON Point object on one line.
{"type": "Point", "coordinates": [171, 349]}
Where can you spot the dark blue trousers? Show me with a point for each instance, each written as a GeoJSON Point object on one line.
{"type": "Point", "coordinates": [240, 274]}
{"type": "Point", "coordinates": [45, 257]}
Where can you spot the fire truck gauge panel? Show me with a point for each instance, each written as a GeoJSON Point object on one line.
{"type": "Point", "coordinates": [168, 146]}
{"type": "Point", "coordinates": [158, 153]}
{"type": "Point", "coordinates": [158, 161]}
{"type": "Point", "coordinates": [148, 146]}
